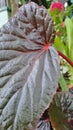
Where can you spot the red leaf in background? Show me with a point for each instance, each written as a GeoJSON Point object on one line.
{"type": "Point", "coordinates": [29, 69]}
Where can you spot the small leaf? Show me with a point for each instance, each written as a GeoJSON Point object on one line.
{"type": "Point", "coordinates": [63, 83]}
{"type": "Point", "coordinates": [59, 45]}
{"type": "Point", "coordinates": [61, 111]}
{"type": "Point", "coordinates": [69, 28]}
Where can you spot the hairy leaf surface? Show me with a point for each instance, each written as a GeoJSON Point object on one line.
{"type": "Point", "coordinates": [61, 111]}
{"type": "Point", "coordinates": [29, 68]}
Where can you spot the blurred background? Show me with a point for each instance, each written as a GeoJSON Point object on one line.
{"type": "Point", "coordinates": [9, 7]}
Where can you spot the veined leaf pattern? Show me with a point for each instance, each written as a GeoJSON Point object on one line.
{"type": "Point", "coordinates": [61, 111]}
{"type": "Point", "coordinates": [29, 67]}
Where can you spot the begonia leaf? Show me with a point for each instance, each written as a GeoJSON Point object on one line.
{"type": "Point", "coordinates": [29, 67]}
{"type": "Point", "coordinates": [61, 111]}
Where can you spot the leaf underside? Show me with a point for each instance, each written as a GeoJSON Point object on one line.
{"type": "Point", "coordinates": [61, 111]}
{"type": "Point", "coordinates": [28, 73]}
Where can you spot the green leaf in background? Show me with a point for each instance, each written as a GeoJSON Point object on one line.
{"type": "Point", "coordinates": [63, 83]}
{"type": "Point", "coordinates": [21, 2]}
{"type": "Point", "coordinates": [69, 28]}
{"type": "Point", "coordinates": [59, 45]}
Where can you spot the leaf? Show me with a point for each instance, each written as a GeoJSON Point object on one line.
{"type": "Point", "coordinates": [29, 68]}
{"type": "Point", "coordinates": [69, 28]}
{"type": "Point", "coordinates": [59, 45]}
{"type": "Point", "coordinates": [61, 111]}
{"type": "Point", "coordinates": [44, 125]}
{"type": "Point", "coordinates": [44, 122]}
{"type": "Point", "coordinates": [63, 83]}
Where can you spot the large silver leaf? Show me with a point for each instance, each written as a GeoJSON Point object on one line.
{"type": "Point", "coordinates": [29, 68]}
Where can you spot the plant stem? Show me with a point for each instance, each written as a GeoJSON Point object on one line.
{"type": "Point", "coordinates": [66, 58]}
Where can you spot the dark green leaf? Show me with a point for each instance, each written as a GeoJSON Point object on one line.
{"type": "Point", "coordinates": [61, 111]}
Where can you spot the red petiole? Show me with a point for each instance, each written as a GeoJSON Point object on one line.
{"type": "Point", "coordinates": [66, 58]}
